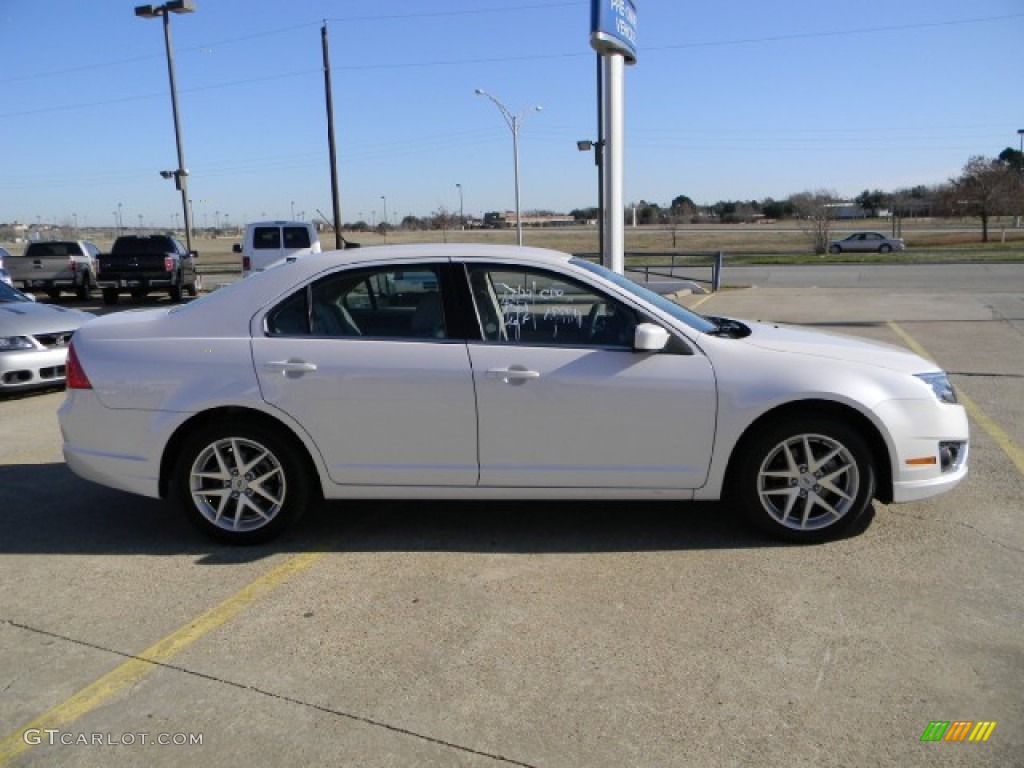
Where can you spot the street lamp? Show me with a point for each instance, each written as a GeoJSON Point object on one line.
{"type": "Point", "coordinates": [462, 215]}
{"type": "Point", "coordinates": [181, 173]}
{"type": "Point", "coordinates": [514, 122]}
{"type": "Point", "coordinates": [384, 219]}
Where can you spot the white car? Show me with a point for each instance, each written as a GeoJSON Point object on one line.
{"type": "Point", "coordinates": [517, 373]}
{"type": "Point", "coordinates": [33, 340]}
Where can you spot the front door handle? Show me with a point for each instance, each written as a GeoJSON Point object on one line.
{"type": "Point", "coordinates": [512, 375]}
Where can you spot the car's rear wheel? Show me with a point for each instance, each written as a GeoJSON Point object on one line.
{"type": "Point", "coordinates": [111, 296]}
{"type": "Point", "coordinates": [885, 248]}
{"type": "Point", "coordinates": [195, 286]}
{"type": "Point", "coordinates": [174, 292]}
{"type": "Point", "coordinates": [241, 483]}
{"type": "Point", "coordinates": [85, 288]}
{"type": "Point", "coordinates": [834, 249]}
{"type": "Point", "coordinates": [805, 480]}
{"type": "Point", "coordinates": [53, 293]}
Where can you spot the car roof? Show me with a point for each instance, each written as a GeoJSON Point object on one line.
{"type": "Point", "coordinates": [305, 267]}
{"type": "Point", "coordinates": [263, 287]}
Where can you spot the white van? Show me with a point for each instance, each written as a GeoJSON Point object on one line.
{"type": "Point", "coordinates": [270, 242]}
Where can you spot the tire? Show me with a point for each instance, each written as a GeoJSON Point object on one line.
{"type": "Point", "coordinates": [139, 293]}
{"type": "Point", "coordinates": [805, 480]}
{"type": "Point", "coordinates": [834, 249]}
{"type": "Point", "coordinates": [111, 296]}
{"type": "Point", "coordinates": [241, 483]}
{"type": "Point", "coordinates": [85, 289]}
{"type": "Point", "coordinates": [174, 292]}
{"type": "Point", "coordinates": [885, 248]}
{"type": "Point", "coordinates": [53, 293]}
{"type": "Point", "coordinates": [193, 288]}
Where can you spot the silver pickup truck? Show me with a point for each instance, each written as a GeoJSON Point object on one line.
{"type": "Point", "coordinates": [55, 266]}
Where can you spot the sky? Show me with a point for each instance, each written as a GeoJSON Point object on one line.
{"type": "Point", "coordinates": [727, 101]}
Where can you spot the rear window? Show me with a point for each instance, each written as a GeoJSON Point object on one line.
{"type": "Point", "coordinates": [296, 237]}
{"type": "Point", "coordinates": [143, 245]}
{"type": "Point", "coordinates": [266, 237]}
{"type": "Point", "coordinates": [53, 249]}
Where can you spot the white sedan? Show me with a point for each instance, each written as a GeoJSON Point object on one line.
{"type": "Point", "coordinates": [492, 372]}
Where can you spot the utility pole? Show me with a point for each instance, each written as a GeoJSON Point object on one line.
{"type": "Point", "coordinates": [336, 200]}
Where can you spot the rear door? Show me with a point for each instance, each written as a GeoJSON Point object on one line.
{"type": "Point", "coordinates": [380, 381]}
{"type": "Point", "coordinates": [266, 246]}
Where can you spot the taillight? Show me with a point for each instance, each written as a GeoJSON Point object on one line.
{"type": "Point", "coordinates": [168, 263]}
{"type": "Point", "coordinates": [74, 372]}
{"type": "Point", "coordinates": [72, 265]}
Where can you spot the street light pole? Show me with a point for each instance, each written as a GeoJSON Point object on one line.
{"type": "Point", "coordinates": [514, 122]}
{"type": "Point", "coordinates": [462, 215]}
{"type": "Point", "coordinates": [181, 174]}
{"type": "Point", "coordinates": [384, 221]}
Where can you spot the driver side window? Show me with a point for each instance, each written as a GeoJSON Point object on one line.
{"type": "Point", "coordinates": [534, 307]}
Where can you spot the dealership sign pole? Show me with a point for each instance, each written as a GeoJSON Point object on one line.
{"type": "Point", "coordinates": [613, 35]}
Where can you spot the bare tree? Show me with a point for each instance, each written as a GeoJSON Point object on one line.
{"type": "Point", "coordinates": [985, 188]}
{"type": "Point", "coordinates": [816, 212]}
{"type": "Point", "coordinates": [444, 220]}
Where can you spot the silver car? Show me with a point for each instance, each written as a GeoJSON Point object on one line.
{"type": "Point", "coordinates": [33, 340]}
{"type": "Point", "coordinates": [867, 242]}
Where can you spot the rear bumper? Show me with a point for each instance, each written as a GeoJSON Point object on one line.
{"type": "Point", "coordinates": [116, 448]}
{"type": "Point", "coordinates": [129, 282]}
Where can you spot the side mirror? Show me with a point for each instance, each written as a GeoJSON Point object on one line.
{"type": "Point", "coordinates": [649, 337]}
{"type": "Point", "coordinates": [194, 254]}
{"type": "Point", "coordinates": [236, 248]}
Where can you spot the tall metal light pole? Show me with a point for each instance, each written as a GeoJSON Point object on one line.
{"type": "Point", "coordinates": [462, 215]}
{"type": "Point", "coordinates": [384, 221]}
{"type": "Point", "coordinates": [181, 174]}
{"type": "Point", "coordinates": [1020, 132]}
{"type": "Point", "coordinates": [514, 122]}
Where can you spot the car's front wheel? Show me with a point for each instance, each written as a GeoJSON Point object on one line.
{"type": "Point", "coordinates": [834, 249]}
{"type": "Point", "coordinates": [885, 248]}
{"type": "Point", "coordinates": [805, 480]}
{"type": "Point", "coordinates": [241, 483]}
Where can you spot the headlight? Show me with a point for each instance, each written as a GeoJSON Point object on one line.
{"type": "Point", "coordinates": [939, 382]}
{"type": "Point", "coordinates": [11, 343]}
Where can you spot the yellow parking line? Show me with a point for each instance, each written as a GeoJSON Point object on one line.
{"type": "Point", "coordinates": [994, 431]}
{"type": "Point", "coordinates": [133, 670]}
{"type": "Point", "coordinates": [701, 301]}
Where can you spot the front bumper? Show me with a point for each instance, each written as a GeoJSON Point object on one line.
{"type": "Point", "coordinates": [32, 368]}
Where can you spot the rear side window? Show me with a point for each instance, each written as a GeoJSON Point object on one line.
{"type": "Point", "coordinates": [296, 237]}
{"type": "Point", "coordinates": [266, 237]}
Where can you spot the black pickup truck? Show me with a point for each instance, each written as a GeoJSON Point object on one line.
{"type": "Point", "coordinates": [140, 264]}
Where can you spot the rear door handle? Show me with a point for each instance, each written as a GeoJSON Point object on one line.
{"type": "Point", "coordinates": [290, 368]}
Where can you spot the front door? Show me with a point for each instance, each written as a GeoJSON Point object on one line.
{"type": "Point", "coordinates": [565, 402]}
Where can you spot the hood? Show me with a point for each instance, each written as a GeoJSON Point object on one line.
{"type": "Point", "coordinates": [26, 318]}
{"type": "Point", "coordinates": [835, 346]}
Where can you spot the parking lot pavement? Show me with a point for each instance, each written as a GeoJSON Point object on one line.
{"type": "Point", "coordinates": [486, 634]}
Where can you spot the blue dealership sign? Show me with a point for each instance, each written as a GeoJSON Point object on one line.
{"type": "Point", "coordinates": [613, 27]}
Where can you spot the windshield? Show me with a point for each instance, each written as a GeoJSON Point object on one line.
{"type": "Point", "coordinates": [680, 313]}
{"type": "Point", "coordinates": [8, 294]}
